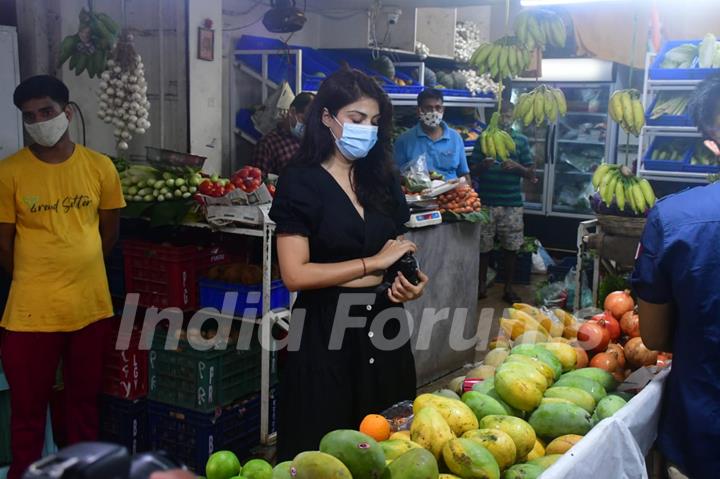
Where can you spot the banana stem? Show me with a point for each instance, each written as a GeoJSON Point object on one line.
{"type": "Point", "coordinates": [625, 171]}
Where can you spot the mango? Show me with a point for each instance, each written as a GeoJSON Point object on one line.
{"type": "Point", "coordinates": [496, 357]}
{"type": "Point", "coordinates": [520, 385]}
{"type": "Point", "coordinates": [520, 431]}
{"type": "Point", "coordinates": [523, 471]}
{"type": "Point", "coordinates": [537, 451]}
{"type": "Point", "coordinates": [542, 354]}
{"type": "Point", "coordinates": [608, 406]}
{"type": "Point", "coordinates": [430, 430]}
{"type": "Point", "coordinates": [601, 376]}
{"type": "Point", "coordinates": [562, 444]}
{"type": "Point", "coordinates": [457, 414]}
{"type": "Point", "coordinates": [400, 435]}
{"type": "Point", "coordinates": [541, 367]}
{"type": "Point", "coordinates": [483, 371]}
{"type": "Point", "coordinates": [447, 393]}
{"type": "Point", "coordinates": [547, 400]}
{"type": "Point", "coordinates": [314, 464]}
{"type": "Point", "coordinates": [546, 461]}
{"type": "Point", "coordinates": [594, 388]}
{"type": "Point", "coordinates": [576, 396]}
{"type": "Point", "coordinates": [484, 386]}
{"type": "Point", "coordinates": [282, 471]}
{"type": "Point", "coordinates": [499, 443]}
{"type": "Point", "coordinates": [532, 337]}
{"type": "Point", "coordinates": [622, 394]}
{"type": "Point", "coordinates": [470, 460]}
{"type": "Point", "coordinates": [484, 405]}
{"type": "Point", "coordinates": [448, 476]}
{"type": "Point", "coordinates": [360, 453]}
{"type": "Point", "coordinates": [565, 353]}
{"type": "Point", "coordinates": [414, 464]}
{"type": "Point", "coordinates": [555, 420]}
{"type": "Point", "coordinates": [394, 448]}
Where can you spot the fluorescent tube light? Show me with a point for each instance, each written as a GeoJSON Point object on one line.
{"type": "Point", "coordinates": [541, 3]}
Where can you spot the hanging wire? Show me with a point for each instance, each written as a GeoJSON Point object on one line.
{"type": "Point", "coordinates": [630, 76]}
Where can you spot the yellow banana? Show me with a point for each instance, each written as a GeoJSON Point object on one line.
{"type": "Point", "coordinates": [539, 106]}
{"type": "Point", "coordinates": [616, 107]}
{"type": "Point", "coordinates": [639, 198]}
{"type": "Point", "coordinates": [560, 100]}
{"type": "Point", "coordinates": [627, 107]}
{"type": "Point", "coordinates": [620, 195]}
{"type": "Point", "coordinates": [551, 107]}
{"type": "Point", "coordinates": [609, 190]}
{"type": "Point", "coordinates": [492, 150]}
{"type": "Point", "coordinates": [600, 171]}
{"type": "Point", "coordinates": [528, 118]}
{"type": "Point", "coordinates": [631, 197]}
{"type": "Point", "coordinates": [522, 105]}
{"type": "Point", "coordinates": [638, 116]}
{"type": "Point", "coordinates": [509, 143]}
{"type": "Point", "coordinates": [603, 188]}
{"type": "Point", "coordinates": [647, 192]}
{"type": "Point", "coordinates": [526, 308]}
{"type": "Point", "coordinates": [500, 146]}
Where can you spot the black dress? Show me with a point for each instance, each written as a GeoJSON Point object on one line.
{"type": "Point", "coordinates": [321, 388]}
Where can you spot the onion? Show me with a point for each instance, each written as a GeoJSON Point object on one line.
{"type": "Point", "coordinates": [122, 145]}
{"type": "Point", "coordinates": [117, 132]}
{"type": "Point", "coordinates": [104, 97]}
{"type": "Point", "coordinates": [135, 105]}
{"type": "Point", "coordinates": [105, 76]}
{"type": "Point", "coordinates": [117, 70]}
{"type": "Point", "coordinates": [630, 324]}
{"type": "Point", "coordinates": [118, 102]}
{"type": "Point", "coordinates": [126, 135]}
{"type": "Point", "coordinates": [117, 122]}
{"type": "Point", "coordinates": [111, 63]}
{"type": "Point", "coordinates": [605, 361]}
{"type": "Point", "coordinates": [110, 91]}
{"type": "Point", "coordinates": [120, 94]}
{"type": "Point", "coordinates": [619, 303]}
{"type": "Point", "coordinates": [136, 96]}
{"type": "Point", "coordinates": [637, 355]}
{"type": "Point", "coordinates": [108, 119]}
{"type": "Point", "coordinates": [131, 127]}
{"type": "Point", "coordinates": [140, 131]}
{"type": "Point", "coordinates": [142, 112]}
{"type": "Point", "coordinates": [124, 77]}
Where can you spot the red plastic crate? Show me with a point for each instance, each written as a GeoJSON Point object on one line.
{"type": "Point", "coordinates": [165, 275]}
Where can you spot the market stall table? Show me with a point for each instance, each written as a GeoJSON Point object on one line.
{"type": "Point", "coordinates": [448, 254]}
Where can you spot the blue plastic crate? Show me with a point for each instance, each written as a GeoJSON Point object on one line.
{"type": "Point", "coordinates": [661, 165]}
{"type": "Point", "coordinates": [212, 294]}
{"type": "Point", "coordinates": [666, 120]}
{"type": "Point", "coordinates": [690, 168]}
{"type": "Point", "coordinates": [191, 437]}
{"type": "Point", "coordinates": [124, 422]}
{"type": "Point", "coordinates": [657, 73]}
{"type": "Point", "coordinates": [243, 122]}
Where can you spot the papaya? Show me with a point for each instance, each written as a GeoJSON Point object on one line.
{"type": "Point", "coordinates": [601, 376]}
{"type": "Point", "coordinates": [499, 443]}
{"type": "Point", "coordinates": [484, 405]}
{"type": "Point", "coordinates": [484, 386]}
{"type": "Point", "coordinates": [282, 471]}
{"type": "Point", "coordinates": [522, 434]}
{"type": "Point", "coordinates": [594, 388]}
{"type": "Point", "coordinates": [520, 385]}
{"type": "Point", "coordinates": [577, 396]}
{"type": "Point", "coordinates": [523, 471]}
{"type": "Point", "coordinates": [542, 354]}
{"type": "Point", "coordinates": [537, 451]}
{"type": "Point", "coordinates": [470, 460]}
{"type": "Point", "coordinates": [447, 393]}
{"type": "Point", "coordinates": [457, 414]}
{"type": "Point", "coordinates": [555, 420]}
{"type": "Point", "coordinates": [608, 406]}
{"type": "Point", "coordinates": [541, 367]}
{"type": "Point", "coordinates": [496, 357]}
{"type": "Point", "coordinates": [483, 371]}
{"type": "Point", "coordinates": [394, 448]}
{"type": "Point", "coordinates": [414, 464]}
{"type": "Point", "coordinates": [360, 453]}
{"type": "Point", "coordinates": [562, 444]}
{"type": "Point", "coordinates": [314, 464]}
{"type": "Point", "coordinates": [565, 353]}
{"type": "Point", "coordinates": [401, 436]}
{"type": "Point", "coordinates": [430, 430]}
{"type": "Point", "coordinates": [546, 461]}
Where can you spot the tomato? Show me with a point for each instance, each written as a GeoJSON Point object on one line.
{"type": "Point", "coordinates": [206, 187]}
{"type": "Point", "coordinates": [229, 187]}
{"type": "Point", "coordinates": [271, 189]}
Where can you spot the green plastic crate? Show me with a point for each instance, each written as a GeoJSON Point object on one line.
{"type": "Point", "coordinates": [202, 380]}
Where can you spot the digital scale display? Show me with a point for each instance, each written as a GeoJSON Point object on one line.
{"type": "Point", "coordinates": [426, 218]}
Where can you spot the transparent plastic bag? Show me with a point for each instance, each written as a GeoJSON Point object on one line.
{"type": "Point", "coordinates": [416, 176]}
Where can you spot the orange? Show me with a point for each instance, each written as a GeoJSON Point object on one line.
{"type": "Point", "coordinates": [375, 426]}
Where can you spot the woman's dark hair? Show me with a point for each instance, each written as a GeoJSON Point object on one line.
{"type": "Point", "coordinates": [373, 174]}
{"type": "Point", "coordinates": [704, 105]}
{"type": "Point", "coordinates": [41, 86]}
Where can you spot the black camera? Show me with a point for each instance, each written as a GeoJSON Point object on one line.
{"type": "Point", "coordinates": [97, 460]}
{"type": "Point", "coordinates": [407, 265]}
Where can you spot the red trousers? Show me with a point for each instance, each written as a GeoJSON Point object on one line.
{"type": "Point", "coordinates": [30, 361]}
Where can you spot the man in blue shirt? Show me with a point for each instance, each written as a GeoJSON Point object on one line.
{"type": "Point", "coordinates": [442, 146]}
{"type": "Point", "coordinates": [677, 281]}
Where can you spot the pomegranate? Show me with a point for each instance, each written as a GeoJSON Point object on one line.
{"type": "Point", "coordinates": [630, 324]}
{"type": "Point", "coordinates": [637, 355]}
{"type": "Point", "coordinates": [608, 321]}
{"type": "Point", "coordinates": [617, 350]}
{"type": "Point", "coordinates": [606, 361]}
{"type": "Point", "coordinates": [592, 337]}
{"type": "Point", "coordinates": [619, 303]}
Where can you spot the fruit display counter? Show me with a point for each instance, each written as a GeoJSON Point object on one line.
{"type": "Point", "coordinates": [453, 284]}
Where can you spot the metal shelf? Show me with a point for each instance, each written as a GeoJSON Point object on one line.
{"type": "Point", "coordinates": [574, 173]}
{"type": "Point", "coordinates": [676, 176]}
{"type": "Point", "coordinates": [410, 99]}
{"type": "Point", "coordinates": [672, 85]}
{"type": "Point", "coordinates": [582, 142]}
{"type": "Point", "coordinates": [687, 131]}
{"type": "Point", "coordinates": [583, 113]}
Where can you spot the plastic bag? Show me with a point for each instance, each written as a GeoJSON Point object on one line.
{"type": "Point", "coordinates": [552, 295]}
{"type": "Point", "coordinates": [416, 176]}
{"type": "Point", "coordinates": [275, 107]}
{"type": "Point", "coordinates": [538, 265]}
{"type": "Point", "coordinates": [585, 294]}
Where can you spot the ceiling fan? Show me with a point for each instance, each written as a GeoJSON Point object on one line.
{"type": "Point", "coordinates": [284, 17]}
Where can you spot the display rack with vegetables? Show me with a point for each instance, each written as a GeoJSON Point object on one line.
{"type": "Point", "coordinates": [702, 156]}
{"type": "Point", "coordinates": [141, 183]}
{"type": "Point", "coordinates": [671, 104]}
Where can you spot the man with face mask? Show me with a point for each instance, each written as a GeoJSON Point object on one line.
{"type": "Point", "coordinates": [59, 216]}
{"type": "Point", "coordinates": [275, 150]}
{"type": "Point", "coordinates": [499, 185]}
{"type": "Point", "coordinates": [442, 146]}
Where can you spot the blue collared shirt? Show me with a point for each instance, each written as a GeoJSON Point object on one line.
{"type": "Point", "coordinates": [678, 263]}
{"type": "Point", "coordinates": [446, 155]}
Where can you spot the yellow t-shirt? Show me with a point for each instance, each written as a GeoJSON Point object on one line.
{"type": "Point", "coordinates": [59, 281]}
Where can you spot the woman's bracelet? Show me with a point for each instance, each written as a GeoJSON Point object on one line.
{"type": "Point", "coordinates": [364, 267]}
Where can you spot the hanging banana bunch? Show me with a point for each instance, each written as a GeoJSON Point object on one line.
{"type": "Point", "coordinates": [544, 103]}
{"type": "Point", "coordinates": [627, 110]}
{"type": "Point", "coordinates": [88, 49]}
{"type": "Point", "coordinates": [616, 184]}
{"type": "Point", "coordinates": [536, 27]}
{"type": "Point", "coordinates": [496, 142]}
{"type": "Point", "coordinates": [503, 58]}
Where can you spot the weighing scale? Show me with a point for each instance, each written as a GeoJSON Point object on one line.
{"type": "Point", "coordinates": [424, 218]}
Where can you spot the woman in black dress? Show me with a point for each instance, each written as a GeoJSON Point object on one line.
{"type": "Point", "coordinates": [340, 216]}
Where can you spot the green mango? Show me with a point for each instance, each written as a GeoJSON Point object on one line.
{"type": "Point", "coordinates": [540, 353]}
{"type": "Point", "coordinates": [360, 453]}
{"type": "Point", "coordinates": [594, 388]}
{"type": "Point", "coordinates": [282, 470]}
{"type": "Point", "coordinates": [414, 464]}
{"type": "Point", "coordinates": [596, 374]}
{"type": "Point", "coordinates": [577, 396]}
{"type": "Point", "coordinates": [523, 471]}
{"type": "Point", "coordinates": [483, 405]}
{"type": "Point", "coordinates": [316, 464]}
{"type": "Point", "coordinates": [609, 406]}
{"type": "Point", "coordinates": [554, 420]}
{"type": "Point", "coordinates": [546, 461]}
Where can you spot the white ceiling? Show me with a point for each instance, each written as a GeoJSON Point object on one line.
{"type": "Point", "coordinates": [363, 4]}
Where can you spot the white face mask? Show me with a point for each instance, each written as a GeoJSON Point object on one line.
{"type": "Point", "coordinates": [48, 133]}
{"type": "Point", "coordinates": [432, 118]}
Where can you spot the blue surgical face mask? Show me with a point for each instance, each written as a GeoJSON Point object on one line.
{"type": "Point", "coordinates": [298, 130]}
{"type": "Point", "coordinates": [356, 141]}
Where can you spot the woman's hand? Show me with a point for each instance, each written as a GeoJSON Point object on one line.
{"type": "Point", "coordinates": [403, 290]}
{"type": "Point", "coordinates": [390, 254]}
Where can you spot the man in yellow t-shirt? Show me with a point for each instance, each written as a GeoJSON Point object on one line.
{"type": "Point", "coordinates": [59, 216]}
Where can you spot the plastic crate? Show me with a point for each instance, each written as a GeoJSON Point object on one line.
{"type": "Point", "coordinates": [115, 269]}
{"type": "Point", "coordinates": [666, 120]}
{"type": "Point", "coordinates": [689, 167]}
{"type": "Point", "coordinates": [657, 73]}
{"type": "Point", "coordinates": [243, 122]}
{"type": "Point", "coordinates": [201, 380]}
{"type": "Point", "coordinates": [124, 422]}
{"type": "Point", "coordinates": [167, 275]}
{"type": "Point", "coordinates": [523, 267]}
{"type": "Point", "coordinates": [191, 437]}
{"type": "Point", "coordinates": [212, 294]}
{"type": "Point", "coordinates": [125, 373]}
{"type": "Point", "coordinates": [662, 165]}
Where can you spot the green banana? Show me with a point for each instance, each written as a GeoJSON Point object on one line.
{"type": "Point", "coordinates": [559, 33]}
{"type": "Point", "coordinates": [512, 60]}
{"type": "Point", "coordinates": [67, 48]}
{"type": "Point", "coordinates": [535, 31]}
{"type": "Point", "coordinates": [481, 54]}
{"type": "Point", "coordinates": [493, 56]}
{"type": "Point", "coordinates": [81, 63]}
{"type": "Point", "coordinates": [503, 60]}
{"type": "Point", "coordinates": [109, 23]}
